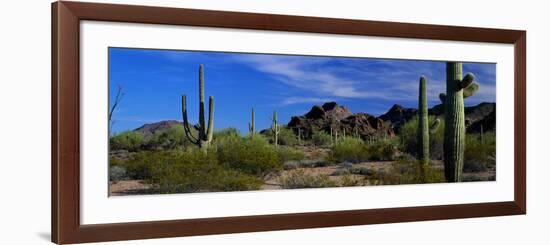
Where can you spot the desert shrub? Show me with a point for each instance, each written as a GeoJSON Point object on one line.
{"type": "Point", "coordinates": [171, 138]}
{"type": "Point", "coordinates": [286, 154]}
{"type": "Point", "coordinates": [363, 171]}
{"type": "Point", "coordinates": [382, 150]}
{"type": "Point", "coordinates": [115, 161]}
{"type": "Point", "coordinates": [117, 173]}
{"type": "Point", "coordinates": [305, 163]}
{"type": "Point", "coordinates": [408, 138]}
{"type": "Point", "coordinates": [251, 155]}
{"type": "Point", "coordinates": [142, 165]}
{"type": "Point", "coordinates": [350, 180]}
{"type": "Point", "coordinates": [475, 178]}
{"type": "Point", "coordinates": [348, 150]}
{"type": "Point", "coordinates": [299, 179]}
{"type": "Point", "coordinates": [340, 171]}
{"type": "Point", "coordinates": [127, 140]}
{"type": "Point", "coordinates": [193, 170]}
{"type": "Point", "coordinates": [412, 172]}
{"type": "Point", "coordinates": [286, 136]}
{"type": "Point", "coordinates": [479, 155]}
{"type": "Point", "coordinates": [320, 138]}
{"type": "Point", "coordinates": [226, 133]}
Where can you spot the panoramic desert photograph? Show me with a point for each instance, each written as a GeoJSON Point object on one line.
{"type": "Point", "coordinates": [198, 121]}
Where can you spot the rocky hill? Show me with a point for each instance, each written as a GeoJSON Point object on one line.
{"type": "Point", "coordinates": [338, 118]}
{"type": "Point", "coordinates": [151, 128]}
{"type": "Point", "coordinates": [331, 116]}
{"type": "Point", "coordinates": [475, 116]}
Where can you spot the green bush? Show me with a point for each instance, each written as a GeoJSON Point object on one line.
{"type": "Point", "coordinates": [142, 164]}
{"type": "Point", "coordinates": [408, 138]}
{"type": "Point", "coordinates": [195, 171]}
{"type": "Point", "coordinates": [127, 140]}
{"type": "Point", "coordinates": [287, 154]}
{"type": "Point", "coordinates": [412, 172]}
{"type": "Point", "coordinates": [299, 179]}
{"type": "Point", "coordinates": [349, 150]}
{"type": "Point", "coordinates": [350, 180]}
{"type": "Point", "coordinates": [251, 155]}
{"type": "Point", "coordinates": [320, 138]}
{"type": "Point", "coordinates": [382, 150]}
{"type": "Point", "coordinates": [304, 163]}
{"type": "Point", "coordinates": [224, 134]}
{"type": "Point", "coordinates": [117, 173]}
{"type": "Point", "coordinates": [480, 156]}
{"type": "Point", "coordinates": [171, 138]}
{"type": "Point", "coordinates": [286, 136]}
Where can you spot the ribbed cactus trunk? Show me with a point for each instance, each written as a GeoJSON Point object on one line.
{"type": "Point", "coordinates": [275, 129]}
{"type": "Point", "coordinates": [423, 136]}
{"type": "Point", "coordinates": [455, 133]}
{"type": "Point", "coordinates": [251, 125]}
{"type": "Point", "coordinates": [205, 135]}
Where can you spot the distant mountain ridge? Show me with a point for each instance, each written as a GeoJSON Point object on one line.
{"type": "Point", "coordinates": [340, 118]}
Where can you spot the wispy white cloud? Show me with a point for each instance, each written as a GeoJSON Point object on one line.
{"type": "Point", "coordinates": [303, 100]}
{"type": "Point", "coordinates": [309, 74]}
{"type": "Point", "coordinates": [377, 79]}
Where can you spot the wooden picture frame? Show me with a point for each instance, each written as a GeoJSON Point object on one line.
{"type": "Point", "coordinates": [66, 227]}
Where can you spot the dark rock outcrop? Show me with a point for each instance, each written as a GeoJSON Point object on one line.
{"type": "Point", "coordinates": [481, 114]}
{"type": "Point", "coordinates": [338, 118]}
{"type": "Point", "coordinates": [397, 116]}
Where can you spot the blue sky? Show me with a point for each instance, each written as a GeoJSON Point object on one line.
{"type": "Point", "coordinates": [154, 80]}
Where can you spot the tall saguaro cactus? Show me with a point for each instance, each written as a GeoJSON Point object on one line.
{"type": "Point", "coordinates": [423, 137]}
{"type": "Point", "coordinates": [458, 88]}
{"type": "Point", "coordinates": [251, 125]}
{"type": "Point", "coordinates": [204, 137]}
{"type": "Point", "coordinates": [275, 128]}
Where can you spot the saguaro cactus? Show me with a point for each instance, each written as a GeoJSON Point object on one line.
{"type": "Point", "coordinates": [458, 88]}
{"type": "Point", "coordinates": [275, 128]}
{"type": "Point", "coordinates": [251, 126]}
{"type": "Point", "coordinates": [204, 137]}
{"type": "Point", "coordinates": [299, 136]}
{"type": "Point", "coordinates": [481, 134]}
{"type": "Point", "coordinates": [423, 136]}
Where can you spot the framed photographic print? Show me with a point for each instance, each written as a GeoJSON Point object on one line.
{"type": "Point", "coordinates": [177, 122]}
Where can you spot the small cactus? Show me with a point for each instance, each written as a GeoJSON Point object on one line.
{"type": "Point", "coordinates": [481, 134]}
{"type": "Point", "coordinates": [423, 136]}
{"type": "Point", "coordinates": [331, 136]}
{"type": "Point", "coordinates": [458, 89]}
{"type": "Point", "coordinates": [275, 128]}
{"type": "Point", "coordinates": [299, 136]}
{"type": "Point", "coordinates": [251, 125]}
{"type": "Point", "coordinates": [205, 135]}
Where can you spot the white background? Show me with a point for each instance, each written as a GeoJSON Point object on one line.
{"type": "Point", "coordinates": [25, 122]}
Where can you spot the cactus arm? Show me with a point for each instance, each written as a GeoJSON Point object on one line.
{"type": "Point", "coordinates": [210, 131]}
{"type": "Point", "coordinates": [467, 80]}
{"type": "Point", "coordinates": [442, 97]}
{"type": "Point", "coordinates": [435, 125]}
{"type": "Point", "coordinates": [470, 90]}
{"type": "Point", "coordinates": [186, 127]}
